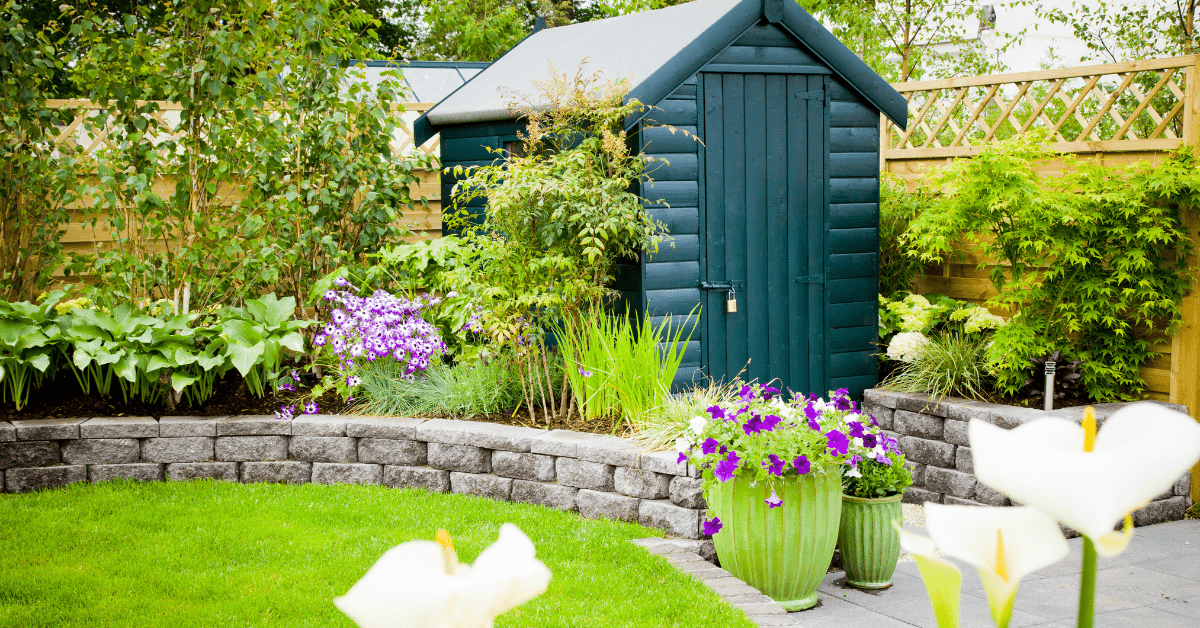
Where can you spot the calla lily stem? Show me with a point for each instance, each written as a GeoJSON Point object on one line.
{"type": "Point", "coordinates": [1087, 586]}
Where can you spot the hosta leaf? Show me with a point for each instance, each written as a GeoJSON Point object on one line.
{"type": "Point", "coordinates": [293, 341]}
{"type": "Point", "coordinates": [244, 357]}
{"type": "Point", "coordinates": [182, 379]}
{"type": "Point", "coordinates": [40, 361]}
{"type": "Point", "coordinates": [242, 332]}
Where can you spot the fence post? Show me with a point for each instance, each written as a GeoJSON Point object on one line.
{"type": "Point", "coordinates": [1185, 346]}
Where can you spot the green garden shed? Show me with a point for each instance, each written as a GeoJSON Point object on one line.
{"type": "Point", "coordinates": [779, 204]}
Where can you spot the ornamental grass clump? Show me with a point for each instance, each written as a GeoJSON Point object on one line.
{"type": "Point", "coordinates": [764, 437]}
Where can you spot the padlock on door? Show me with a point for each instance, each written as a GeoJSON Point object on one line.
{"type": "Point", "coordinates": [730, 303]}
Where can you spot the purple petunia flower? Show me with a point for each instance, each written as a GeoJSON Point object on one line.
{"type": "Point", "coordinates": [753, 425]}
{"type": "Point", "coordinates": [768, 391]}
{"type": "Point", "coordinates": [870, 440]}
{"type": "Point", "coordinates": [813, 425]}
{"type": "Point", "coordinates": [773, 501]}
{"type": "Point", "coordinates": [711, 527]}
{"type": "Point", "coordinates": [883, 460]}
{"type": "Point", "coordinates": [746, 394]}
{"type": "Point", "coordinates": [841, 399]}
{"type": "Point", "coordinates": [682, 458]}
{"type": "Point", "coordinates": [774, 465]}
{"type": "Point", "coordinates": [838, 443]}
{"type": "Point", "coordinates": [874, 421]}
{"type": "Point", "coordinates": [856, 429]}
{"type": "Point", "coordinates": [802, 464]}
{"type": "Point", "coordinates": [724, 450]}
{"type": "Point", "coordinates": [709, 446]}
{"type": "Point", "coordinates": [769, 422]}
{"type": "Point", "coordinates": [811, 411]}
{"type": "Point", "coordinates": [726, 468]}
{"type": "Point", "coordinates": [717, 412]}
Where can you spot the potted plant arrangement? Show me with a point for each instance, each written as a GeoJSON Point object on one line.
{"type": "Point", "coordinates": [773, 480]}
{"type": "Point", "coordinates": [871, 492]}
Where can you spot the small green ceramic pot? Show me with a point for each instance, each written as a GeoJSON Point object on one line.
{"type": "Point", "coordinates": [870, 545]}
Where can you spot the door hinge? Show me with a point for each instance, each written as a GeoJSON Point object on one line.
{"type": "Point", "coordinates": [810, 279]}
{"type": "Point", "coordinates": [820, 94]}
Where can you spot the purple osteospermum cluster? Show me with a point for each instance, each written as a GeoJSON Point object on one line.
{"type": "Point", "coordinates": [380, 326]}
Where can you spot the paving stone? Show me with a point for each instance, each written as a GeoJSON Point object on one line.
{"type": "Point", "coordinates": [920, 496]}
{"type": "Point", "coordinates": [532, 467]}
{"type": "Point", "coordinates": [641, 484]}
{"type": "Point", "coordinates": [101, 451]}
{"type": "Point", "coordinates": [1157, 512]}
{"type": "Point", "coordinates": [687, 492]}
{"type": "Point", "coordinates": [119, 427]}
{"type": "Point", "coordinates": [928, 452]}
{"type": "Point", "coordinates": [885, 398]}
{"type": "Point", "coordinates": [417, 477]}
{"type": "Point", "coordinates": [338, 473]}
{"type": "Point", "coordinates": [319, 425]}
{"type": "Point", "coordinates": [183, 471]}
{"type": "Point", "coordinates": [950, 482]}
{"type": "Point", "coordinates": [1183, 486]}
{"type": "Point", "coordinates": [919, 425]}
{"type": "Point", "coordinates": [382, 427]}
{"type": "Point", "coordinates": [184, 426]}
{"type": "Point", "coordinates": [560, 442]}
{"type": "Point", "coordinates": [184, 449]}
{"type": "Point", "coordinates": [279, 472]}
{"type": "Point", "coordinates": [963, 460]}
{"type": "Point", "coordinates": [26, 480]}
{"type": "Point", "coordinates": [408, 453]}
{"type": "Point", "coordinates": [604, 505]}
{"type": "Point", "coordinates": [481, 485]}
{"type": "Point", "coordinates": [29, 454]}
{"type": "Point", "coordinates": [48, 429]}
{"type": "Point", "coordinates": [460, 458]}
{"type": "Point", "coordinates": [8, 433]}
{"type": "Point", "coordinates": [674, 519]}
{"type": "Point", "coordinates": [958, 501]}
{"type": "Point", "coordinates": [917, 470]}
{"type": "Point", "coordinates": [985, 495]}
{"type": "Point", "coordinates": [661, 462]}
{"type": "Point", "coordinates": [955, 433]}
{"type": "Point", "coordinates": [145, 472]}
{"type": "Point", "coordinates": [256, 425]}
{"type": "Point", "coordinates": [250, 448]}
{"type": "Point", "coordinates": [581, 474]}
{"type": "Point", "coordinates": [762, 608]}
{"type": "Point", "coordinates": [500, 437]}
{"type": "Point", "coordinates": [324, 449]}
{"type": "Point", "coordinates": [542, 494]}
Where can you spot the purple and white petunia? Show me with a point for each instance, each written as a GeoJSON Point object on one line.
{"type": "Point", "coordinates": [773, 501]}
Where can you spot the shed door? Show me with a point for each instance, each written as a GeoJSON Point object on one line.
{"type": "Point", "coordinates": [765, 146]}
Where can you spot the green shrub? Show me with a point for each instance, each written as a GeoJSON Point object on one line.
{"type": "Point", "coordinates": [898, 266]}
{"type": "Point", "coordinates": [878, 479]}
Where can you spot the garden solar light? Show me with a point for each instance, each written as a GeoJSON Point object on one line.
{"type": "Point", "coordinates": [422, 584]}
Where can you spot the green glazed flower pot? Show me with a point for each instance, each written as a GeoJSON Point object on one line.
{"type": "Point", "coordinates": [785, 551]}
{"type": "Point", "coordinates": [869, 544]}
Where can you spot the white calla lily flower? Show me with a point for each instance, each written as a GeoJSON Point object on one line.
{"type": "Point", "coordinates": [1085, 479]}
{"type": "Point", "coordinates": [943, 579]}
{"type": "Point", "coordinates": [421, 584]}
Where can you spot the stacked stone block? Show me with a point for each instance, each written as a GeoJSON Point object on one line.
{"type": "Point", "coordinates": [594, 475]}
{"type": "Point", "coordinates": [933, 437]}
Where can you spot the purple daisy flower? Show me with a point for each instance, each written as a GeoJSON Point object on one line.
{"type": "Point", "coordinates": [838, 443]}
{"type": "Point", "coordinates": [711, 527]}
{"type": "Point", "coordinates": [311, 408]}
{"type": "Point", "coordinates": [773, 501]}
{"type": "Point", "coordinates": [803, 466]}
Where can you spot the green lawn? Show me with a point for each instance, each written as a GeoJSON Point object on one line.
{"type": "Point", "coordinates": [222, 554]}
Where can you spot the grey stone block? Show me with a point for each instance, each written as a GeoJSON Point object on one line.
{"type": "Point", "coordinates": [184, 449]}
{"type": "Point", "coordinates": [101, 451]}
{"type": "Point", "coordinates": [964, 410]}
{"type": "Point", "coordinates": [500, 437]}
{"type": "Point", "coordinates": [560, 443]}
{"type": "Point", "coordinates": [919, 425]}
{"type": "Point", "coordinates": [949, 482]}
{"type": "Point", "coordinates": [532, 467]}
{"type": "Point", "coordinates": [144, 472]}
{"type": "Point", "coordinates": [883, 415]}
{"type": "Point", "coordinates": [1183, 486]}
{"type": "Point", "coordinates": [958, 501]}
{"type": "Point", "coordinates": [920, 496]}
{"type": "Point", "coordinates": [674, 519]}
{"type": "Point", "coordinates": [955, 433]}
{"type": "Point", "coordinates": [481, 485]}
{"type": "Point", "coordinates": [445, 431]}
{"type": "Point", "coordinates": [963, 461]}
{"type": "Point", "coordinates": [280, 472]}
{"type": "Point", "coordinates": [603, 505]}
{"type": "Point", "coordinates": [1161, 511]}
{"type": "Point", "coordinates": [183, 471]}
{"type": "Point", "coordinates": [661, 462]}
{"type": "Point", "coordinates": [641, 484]}
{"type": "Point", "coordinates": [460, 458]}
{"type": "Point", "coordinates": [250, 448]}
{"type": "Point", "coordinates": [929, 452]}
{"type": "Point", "coordinates": [687, 492]}
{"type": "Point", "coordinates": [985, 495]}
{"type": "Point", "coordinates": [338, 473]}
{"type": "Point", "coordinates": [48, 429]}
{"type": "Point", "coordinates": [377, 427]}
{"type": "Point", "coordinates": [408, 453]}
{"type": "Point", "coordinates": [1009, 417]}
{"type": "Point", "coordinates": [878, 396]}
{"type": "Point", "coordinates": [29, 454]}
{"type": "Point", "coordinates": [917, 470]}
{"type": "Point", "coordinates": [8, 433]}
{"type": "Point", "coordinates": [609, 450]}
{"type": "Point", "coordinates": [260, 425]}
{"type": "Point", "coordinates": [324, 449]}
{"type": "Point", "coordinates": [922, 403]}
{"type": "Point", "coordinates": [549, 495]}
{"type": "Point", "coordinates": [581, 474]}
{"type": "Point", "coordinates": [26, 480]}
{"type": "Point", "coordinates": [185, 426]}
{"type": "Point", "coordinates": [319, 425]}
{"type": "Point", "coordinates": [119, 427]}
{"type": "Point", "coordinates": [1167, 494]}
{"type": "Point", "coordinates": [417, 477]}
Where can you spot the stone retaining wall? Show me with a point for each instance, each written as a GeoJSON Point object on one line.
{"type": "Point", "coordinates": [597, 476]}
{"type": "Point", "coordinates": [933, 437]}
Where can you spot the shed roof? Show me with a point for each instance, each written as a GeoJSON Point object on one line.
{"type": "Point", "coordinates": [655, 51]}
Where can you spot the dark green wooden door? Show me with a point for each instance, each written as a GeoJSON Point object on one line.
{"type": "Point", "coordinates": [765, 146]}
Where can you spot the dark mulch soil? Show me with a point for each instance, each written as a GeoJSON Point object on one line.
{"type": "Point", "coordinates": [62, 399]}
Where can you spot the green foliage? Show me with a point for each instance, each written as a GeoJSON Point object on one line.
{"type": "Point", "coordinates": [878, 479]}
{"type": "Point", "coordinates": [898, 266]}
{"type": "Point", "coordinates": [948, 364]}
{"type": "Point", "coordinates": [29, 335]}
{"type": "Point", "coordinates": [462, 390]}
{"type": "Point", "coordinates": [1093, 260]}
{"type": "Point", "coordinates": [257, 336]}
{"type": "Point", "coordinates": [670, 420]}
{"type": "Point", "coordinates": [1129, 31]}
